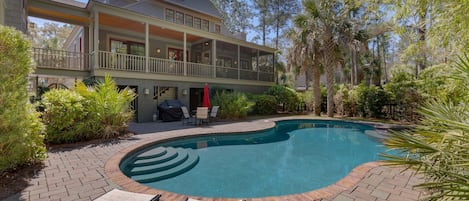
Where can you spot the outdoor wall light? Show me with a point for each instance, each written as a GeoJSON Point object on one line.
{"type": "Point", "coordinates": [184, 92]}
{"type": "Point", "coordinates": [158, 50]}
{"type": "Point", "coordinates": [206, 43]}
{"type": "Point", "coordinates": [146, 91]}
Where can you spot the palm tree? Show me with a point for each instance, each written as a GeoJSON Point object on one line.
{"type": "Point", "coordinates": [439, 146]}
{"type": "Point", "coordinates": [304, 52]}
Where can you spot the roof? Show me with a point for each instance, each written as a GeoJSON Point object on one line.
{"type": "Point", "coordinates": [202, 6]}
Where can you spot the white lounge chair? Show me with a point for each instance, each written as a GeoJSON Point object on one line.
{"type": "Point", "coordinates": [202, 115]}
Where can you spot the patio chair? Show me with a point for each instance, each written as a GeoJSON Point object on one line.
{"type": "Point", "coordinates": [202, 115]}
{"type": "Point", "coordinates": [186, 117]}
{"type": "Point", "coordinates": [213, 113]}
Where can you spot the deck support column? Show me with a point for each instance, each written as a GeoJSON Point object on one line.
{"type": "Point", "coordinates": [96, 40]}
{"type": "Point", "coordinates": [239, 63]}
{"type": "Point", "coordinates": [257, 65]}
{"type": "Point", "coordinates": [147, 47]}
{"type": "Point", "coordinates": [185, 53]}
{"type": "Point", "coordinates": [214, 57]}
{"type": "Point", "coordinates": [89, 60]}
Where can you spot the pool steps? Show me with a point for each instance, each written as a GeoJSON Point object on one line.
{"type": "Point", "coordinates": [169, 155]}
{"type": "Point", "coordinates": [166, 162]}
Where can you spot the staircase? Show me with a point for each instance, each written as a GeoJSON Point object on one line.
{"type": "Point", "coordinates": [160, 163]}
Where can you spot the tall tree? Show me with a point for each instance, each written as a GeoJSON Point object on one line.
{"type": "Point", "coordinates": [280, 15]}
{"type": "Point", "coordinates": [263, 7]}
{"type": "Point", "coordinates": [49, 35]}
{"type": "Point", "coordinates": [304, 52]}
{"type": "Point", "coordinates": [235, 13]}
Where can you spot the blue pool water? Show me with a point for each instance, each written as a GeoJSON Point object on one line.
{"type": "Point", "coordinates": [294, 157]}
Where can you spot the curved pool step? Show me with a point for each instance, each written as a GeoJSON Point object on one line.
{"type": "Point", "coordinates": [188, 164]}
{"type": "Point", "coordinates": [170, 153]}
{"type": "Point", "coordinates": [153, 153]}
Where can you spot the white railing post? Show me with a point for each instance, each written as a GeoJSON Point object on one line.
{"type": "Point", "coordinates": [214, 58]}
{"type": "Point", "coordinates": [96, 39]}
{"type": "Point", "coordinates": [184, 54]}
{"type": "Point", "coordinates": [147, 47]}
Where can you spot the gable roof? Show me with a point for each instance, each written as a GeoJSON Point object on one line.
{"type": "Point", "coordinates": [202, 6]}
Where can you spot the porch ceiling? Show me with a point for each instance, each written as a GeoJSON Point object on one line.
{"type": "Point", "coordinates": [57, 16]}
{"type": "Point", "coordinates": [122, 23]}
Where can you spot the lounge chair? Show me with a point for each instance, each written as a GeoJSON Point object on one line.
{"type": "Point", "coordinates": [186, 117]}
{"type": "Point", "coordinates": [202, 115]}
{"type": "Point", "coordinates": [213, 113]}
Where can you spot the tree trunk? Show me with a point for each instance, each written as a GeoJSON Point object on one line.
{"type": "Point", "coordinates": [329, 65]}
{"type": "Point", "coordinates": [316, 71]}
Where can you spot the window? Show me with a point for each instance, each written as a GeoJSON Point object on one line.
{"type": "Point", "coordinates": [179, 18]}
{"type": "Point", "coordinates": [169, 15]}
{"type": "Point", "coordinates": [205, 25]}
{"type": "Point", "coordinates": [217, 28]}
{"type": "Point", "coordinates": [197, 23]}
{"type": "Point", "coordinates": [127, 47]}
{"type": "Point", "coordinates": [189, 20]}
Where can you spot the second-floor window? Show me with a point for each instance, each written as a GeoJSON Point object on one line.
{"type": "Point", "coordinates": [197, 23]}
{"type": "Point", "coordinates": [217, 28]}
{"type": "Point", "coordinates": [205, 25]}
{"type": "Point", "coordinates": [169, 15]}
{"type": "Point", "coordinates": [179, 18]}
{"type": "Point", "coordinates": [189, 20]}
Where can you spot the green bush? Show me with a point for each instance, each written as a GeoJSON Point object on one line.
{"type": "Point", "coordinates": [405, 94]}
{"type": "Point", "coordinates": [370, 100]}
{"type": "Point", "coordinates": [109, 109]}
{"type": "Point", "coordinates": [21, 131]}
{"type": "Point", "coordinates": [284, 95]}
{"type": "Point", "coordinates": [264, 104]}
{"type": "Point", "coordinates": [232, 105]}
{"type": "Point", "coordinates": [87, 113]}
{"type": "Point", "coordinates": [65, 116]}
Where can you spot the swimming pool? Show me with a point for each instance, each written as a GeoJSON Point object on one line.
{"type": "Point", "coordinates": [295, 156]}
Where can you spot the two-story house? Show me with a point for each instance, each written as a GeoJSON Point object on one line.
{"type": "Point", "coordinates": [163, 49]}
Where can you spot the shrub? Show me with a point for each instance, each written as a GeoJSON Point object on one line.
{"type": "Point", "coordinates": [232, 105]}
{"type": "Point", "coordinates": [21, 131]}
{"type": "Point", "coordinates": [370, 100]}
{"type": "Point", "coordinates": [65, 116]}
{"type": "Point", "coordinates": [405, 94]}
{"type": "Point", "coordinates": [341, 100]}
{"type": "Point", "coordinates": [264, 104]}
{"type": "Point", "coordinates": [108, 108]}
{"type": "Point", "coordinates": [87, 113]}
{"type": "Point", "coordinates": [284, 95]}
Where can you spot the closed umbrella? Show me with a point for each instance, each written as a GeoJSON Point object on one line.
{"type": "Point", "coordinates": [206, 98]}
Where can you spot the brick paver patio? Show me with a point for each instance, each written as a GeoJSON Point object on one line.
{"type": "Point", "coordinates": [78, 173]}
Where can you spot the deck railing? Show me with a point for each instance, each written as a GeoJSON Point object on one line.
{"type": "Point", "coordinates": [59, 59]}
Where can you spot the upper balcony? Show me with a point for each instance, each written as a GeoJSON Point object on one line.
{"type": "Point", "coordinates": [67, 61]}
{"type": "Point", "coordinates": [131, 44]}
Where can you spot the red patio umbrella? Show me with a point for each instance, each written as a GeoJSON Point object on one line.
{"type": "Point", "coordinates": [206, 98]}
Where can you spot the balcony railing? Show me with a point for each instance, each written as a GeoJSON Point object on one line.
{"type": "Point", "coordinates": [59, 59]}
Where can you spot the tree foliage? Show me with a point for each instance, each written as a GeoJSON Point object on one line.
{"type": "Point", "coordinates": [21, 131]}
{"type": "Point", "coordinates": [439, 146]}
{"type": "Point", "coordinates": [49, 35]}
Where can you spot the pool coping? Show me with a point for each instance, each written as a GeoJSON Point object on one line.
{"type": "Point", "coordinates": [113, 172]}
